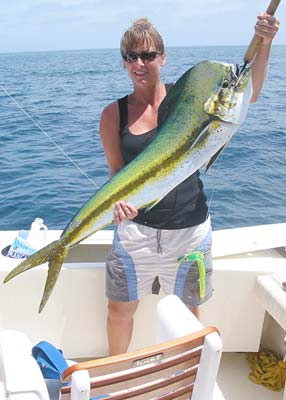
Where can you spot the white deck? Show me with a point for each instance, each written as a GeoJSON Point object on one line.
{"type": "Point", "coordinates": [237, 308]}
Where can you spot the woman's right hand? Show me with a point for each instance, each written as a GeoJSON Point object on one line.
{"type": "Point", "coordinates": [123, 211]}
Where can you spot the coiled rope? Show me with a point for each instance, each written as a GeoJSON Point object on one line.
{"type": "Point", "coordinates": [268, 369]}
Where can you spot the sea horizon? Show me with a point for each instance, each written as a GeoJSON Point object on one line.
{"type": "Point", "coordinates": [117, 48]}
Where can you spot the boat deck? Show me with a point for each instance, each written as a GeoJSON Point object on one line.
{"type": "Point", "coordinates": [234, 383]}
{"type": "Point", "coordinates": [254, 312]}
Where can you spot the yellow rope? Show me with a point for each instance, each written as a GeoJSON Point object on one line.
{"type": "Point", "coordinates": [268, 369]}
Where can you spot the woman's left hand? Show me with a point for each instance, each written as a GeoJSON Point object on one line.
{"type": "Point", "coordinates": [124, 211]}
{"type": "Point", "coordinates": [266, 27]}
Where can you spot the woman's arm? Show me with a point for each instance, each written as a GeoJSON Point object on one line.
{"type": "Point", "coordinates": [110, 138]}
{"type": "Point", "coordinates": [266, 27]}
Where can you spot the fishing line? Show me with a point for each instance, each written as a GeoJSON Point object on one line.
{"type": "Point", "coordinates": [48, 136]}
{"type": "Point", "coordinates": [210, 200]}
{"type": "Point", "coordinates": [219, 160]}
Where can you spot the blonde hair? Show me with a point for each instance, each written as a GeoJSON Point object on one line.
{"type": "Point", "coordinates": [141, 32]}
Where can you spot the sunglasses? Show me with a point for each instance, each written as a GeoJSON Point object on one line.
{"type": "Point", "coordinates": [145, 56]}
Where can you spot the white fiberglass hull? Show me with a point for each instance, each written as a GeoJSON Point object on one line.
{"type": "Point", "coordinates": [75, 316]}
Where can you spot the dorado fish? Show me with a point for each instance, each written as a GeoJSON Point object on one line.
{"type": "Point", "coordinates": [196, 120]}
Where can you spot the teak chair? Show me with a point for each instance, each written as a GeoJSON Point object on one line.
{"type": "Point", "coordinates": [183, 365]}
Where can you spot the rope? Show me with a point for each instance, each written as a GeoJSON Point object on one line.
{"type": "Point", "coordinates": [159, 247]}
{"type": "Point", "coordinates": [268, 369]}
{"type": "Point", "coordinates": [48, 136]}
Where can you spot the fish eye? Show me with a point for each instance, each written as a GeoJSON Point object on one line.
{"type": "Point", "coordinates": [226, 84]}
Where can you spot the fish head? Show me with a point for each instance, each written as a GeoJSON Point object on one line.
{"type": "Point", "coordinates": [230, 101]}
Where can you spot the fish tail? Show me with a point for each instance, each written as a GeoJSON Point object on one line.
{"type": "Point", "coordinates": [54, 254]}
{"type": "Point", "coordinates": [38, 258]}
{"type": "Point", "coordinates": [55, 263]}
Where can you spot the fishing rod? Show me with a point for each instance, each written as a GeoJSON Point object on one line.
{"type": "Point", "coordinates": [249, 55]}
{"type": "Point", "coordinates": [257, 40]}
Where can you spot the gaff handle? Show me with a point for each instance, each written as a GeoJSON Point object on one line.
{"type": "Point", "coordinates": [256, 40]}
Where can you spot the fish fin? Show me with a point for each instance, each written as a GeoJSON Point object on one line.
{"type": "Point", "coordinates": [54, 253]}
{"type": "Point", "coordinates": [167, 105]}
{"type": "Point", "coordinates": [201, 136]}
{"type": "Point", "coordinates": [170, 101]}
{"type": "Point", "coordinates": [55, 263]}
{"type": "Point", "coordinates": [214, 157]}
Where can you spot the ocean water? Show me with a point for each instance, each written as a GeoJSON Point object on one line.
{"type": "Point", "coordinates": [65, 92]}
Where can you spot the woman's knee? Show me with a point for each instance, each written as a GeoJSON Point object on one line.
{"type": "Point", "coordinates": [121, 310]}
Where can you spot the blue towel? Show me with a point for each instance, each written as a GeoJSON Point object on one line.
{"type": "Point", "coordinates": [50, 359]}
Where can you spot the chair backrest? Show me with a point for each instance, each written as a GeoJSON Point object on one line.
{"type": "Point", "coordinates": [167, 370]}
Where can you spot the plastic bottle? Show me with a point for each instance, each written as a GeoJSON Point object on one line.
{"type": "Point", "coordinates": [38, 234]}
{"type": "Point", "coordinates": [28, 242]}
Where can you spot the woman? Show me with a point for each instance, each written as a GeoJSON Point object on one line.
{"type": "Point", "coordinates": [151, 244]}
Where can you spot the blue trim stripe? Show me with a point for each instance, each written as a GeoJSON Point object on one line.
{"type": "Point", "coordinates": [128, 264]}
{"type": "Point", "coordinates": [206, 243]}
{"type": "Point", "coordinates": [185, 266]}
{"type": "Point", "coordinates": [181, 278]}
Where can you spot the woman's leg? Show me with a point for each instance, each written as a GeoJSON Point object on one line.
{"type": "Point", "coordinates": [195, 311]}
{"type": "Point", "coordinates": [120, 325]}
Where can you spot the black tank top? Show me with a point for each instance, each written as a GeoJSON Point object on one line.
{"type": "Point", "coordinates": [184, 206]}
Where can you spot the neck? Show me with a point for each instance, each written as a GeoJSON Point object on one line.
{"type": "Point", "coordinates": [148, 95]}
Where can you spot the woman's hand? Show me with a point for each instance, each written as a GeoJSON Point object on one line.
{"type": "Point", "coordinates": [123, 211]}
{"type": "Point", "coordinates": [266, 27]}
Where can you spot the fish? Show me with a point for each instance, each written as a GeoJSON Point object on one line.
{"type": "Point", "coordinates": [196, 121]}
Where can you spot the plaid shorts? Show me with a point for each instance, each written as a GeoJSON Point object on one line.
{"type": "Point", "coordinates": [141, 254]}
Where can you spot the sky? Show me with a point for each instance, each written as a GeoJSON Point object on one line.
{"type": "Point", "coordinates": [40, 25]}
